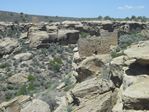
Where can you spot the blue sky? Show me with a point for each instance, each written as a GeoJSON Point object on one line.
{"type": "Point", "coordinates": [78, 8]}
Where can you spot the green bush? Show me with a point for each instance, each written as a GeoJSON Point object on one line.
{"type": "Point", "coordinates": [31, 87]}
{"type": "Point", "coordinates": [31, 78]}
{"type": "Point", "coordinates": [127, 40]}
{"type": "Point", "coordinates": [8, 95]}
{"type": "Point", "coordinates": [115, 54]}
{"type": "Point", "coordinates": [3, 65]}
{"type": "Point", "coordinates": [55, 64]}
{"type": "Point", "coordinates": [27, 88]}
{"type": "Point", "coordinates": [84, 34]}
{"type": "Point", "coordinates": [22, 90]}
{"type": "Point", "coordinates": [69, 81]}
{"type": "Point", "coordinates": [69, 108]}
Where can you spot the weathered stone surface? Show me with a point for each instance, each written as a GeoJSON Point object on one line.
{"type": "Point", "coordinates": [92, 86]}
{"type": "Point", "coordinates": [23, 56]}
{"type": "Point", "coordinates": [75, 49]}
{"type": "Point", "coordinates": [139, 52]}
{"type": "Point", "coordinates": [8, 45]}
{"type": "Point", "coordinates": [129, 62]}
{"type": "Point", "coordinates": [36, 106]}
{"type": "Point", "coordinates": [62, 105]}
{"type": "Point", "coordinates": [24, 104]}
{"type": "Point", "coordinates": [69, 24]}
{"type": "Point", "coordinates": [68, 36]}
{"type": "Point", "coordinates": [97, 103]}
{"type": "Point", "coordinates": [137, 95]}
{"type": "Point", "coordinates": [42, 38]}
{"type": "Point", "coordinates": [18, 78]}
{"type": "Point", "coordinates": [23, 35]}
{"type": "Point", "coordinates": [91, 66]}
{"type": "Point", "coordinates": [37, 38]}
{"type": "Point", "coordinates": [14, 105]}
{"type": "Point", "coordinates": [118, 60]}
{"type": "Point", "coordinates": [51, 29]}
{"type": "Point", "coordinates": [145, 33]}
{"type": "Point", "coordinates": [76, 57]}
{"type": "Point", "coordinates": [116, 73]}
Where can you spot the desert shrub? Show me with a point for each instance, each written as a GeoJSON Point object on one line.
{"type": "Point", "coordinates": [9, 94]}
{"type": "Point", "coordinates": [31, 77]}
{"type": "Point", "coordinates": [69, 81]}
{"type": "Point", "coordinates": [4, 65]}
{"type": "Point", "coordinates": [31, 87]}
{"type": "Point", "coordinates": [2, 34]}
{"type": "Point", "coordinates": [69, 108]}
{"type": "Point", "coordinates": [50, 98]}
{"type": "Point", "coordinates": [13, 31]}
{"type": "Point", "coordinates": [27, 88]}
{"type": "Point", "coordinates": [22, 90]}
{"type": "Point", "coordinates": [115, 54]}
{"type": "Point", "coordinates": [10, 87]}
{"type": "Point", "coordinates": [2, 78]}
{"type": "Point", "coordinates": [128, 39]}
{"type": "Point", "coordinates": [58, 60]}
{"type": "Point", "coordinates": [55, 64]}
{"type": "Point", "coordinates": [84, 34]}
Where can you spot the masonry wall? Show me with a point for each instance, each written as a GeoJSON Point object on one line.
{"type": "Point", "coordinates": [97, 45]}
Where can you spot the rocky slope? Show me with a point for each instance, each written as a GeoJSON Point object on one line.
{"type": "Point", "coordinates": [42, 70]}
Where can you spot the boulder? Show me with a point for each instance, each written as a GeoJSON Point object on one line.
{"type": "Point", "coordinates": [42, 38]}
{"type": "Point", "coordinates": [92, 95]}
{"type": "Point", "coordinates": [62, 105]}
{"type": "Point", "coordinates": [36, 106]}
{"type": "Point", "coordinates": [91, 66]}
{"type": "Point", "coordinates": [69, 24]}
{"type": "Point", "coordinates": [97, 103]}
{"type": "Point", "coordinates": [15, 104]}
{"type": "Point", "coordinates": [18, 78]}
{"type": "Point", "coordinates": [24, 104]}
{"type": "Point", "coordinates": [145, 33]}
{"type": "Point", "coordinates": [33, 28]}
{"type": "Point", "coordinates": [76, 57]}
{"type": "Point", "coordinates": [50, 29]}
{"type": "Point", "coordinates": [118, 60]}
{"type": "Point", "coordinates": [23, 35]}
{"type": "Point", "coordinates": [139, 52]}
{"type": "Point", "coordinates": [116, 74]}
{"type": "Point", "coordinates": [37, 38]}
{"type": "Point", "coordinates": [23, 56]}
{"type": "Point", "coordinates": [75, 49]}
{"type": "Point", "coordinates": [92, 86]}
{"type": "Point", "coordinates": [137, 95]}
{"type": "Point", "coordinates": [8, 45]}
{"type": "Point", "coordinates": [68, 36]}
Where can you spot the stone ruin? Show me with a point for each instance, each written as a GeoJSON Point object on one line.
{"type": "Point", "coordinates": [98, 45]}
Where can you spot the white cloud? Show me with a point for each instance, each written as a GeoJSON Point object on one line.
{"type": "Point", "coordinates": [129, 7]}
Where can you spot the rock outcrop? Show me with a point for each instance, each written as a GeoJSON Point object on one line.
{"type": "Point", "coordinates": [91, 66]}
{"type": "Point", "coordinates": [24, 104]}
{"type": "Point", "coordinates": [44, 60]}
{"type": "Point", "coordinates": [8, 45]}
{"type": "Point", "coordinates": [132, 70]}
{"type": "Point", "coordinates": [18, 78]}
{"type": "Point", "coordinates": [136, 97]}
{"type": "Point", "coordinates": [37, 38]}
{"type": "Point", "coordinates": [43, 38]}
{"type": "Point", "coordinates": [23, 56]}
